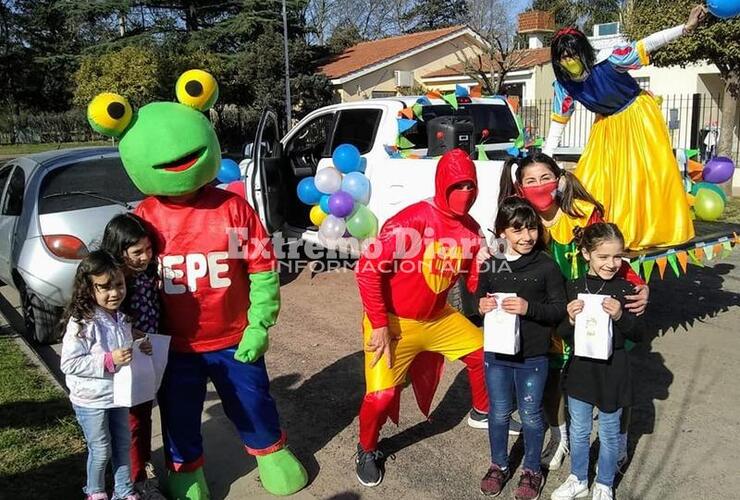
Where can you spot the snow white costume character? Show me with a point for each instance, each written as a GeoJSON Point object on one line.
{"type": "Point", "coordinates": [220, 292]}
{"type": "Point", "coordinates": [628, 164]}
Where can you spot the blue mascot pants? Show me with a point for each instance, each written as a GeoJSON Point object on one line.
{"type": "Point", "coordinates": [244, 390]}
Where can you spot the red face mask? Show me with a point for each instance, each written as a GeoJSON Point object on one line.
{"type": "Point", "coordinates": [541, 197]}
{"type": "Point", "coordinates": [460, 201]}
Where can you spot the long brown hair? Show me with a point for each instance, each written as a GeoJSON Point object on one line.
{"type": "Point", "coordinates": [82, 305]}
{"type": "Point", "coordinates": [573, 189]}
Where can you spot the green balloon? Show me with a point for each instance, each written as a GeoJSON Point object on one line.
{"type": "Point", "coordinates": [708, 205]}
{"type": "Point", "coordinates": [710, 186]}
{"type": "Point", "coordinates": [362, 223]}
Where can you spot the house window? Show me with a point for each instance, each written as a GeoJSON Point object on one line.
{"type": "Point", "coordinates": [643, 82]}
{"type": "Point", "coordinates": [383, 93]}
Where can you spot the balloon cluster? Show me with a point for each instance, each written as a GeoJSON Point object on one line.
{"type": "Point", "coordinates": [708, 198]}
{"type": "Point", "coordinates": [339, 196]}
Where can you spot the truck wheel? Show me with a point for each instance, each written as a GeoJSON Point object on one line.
{"type": "Point", "coordinates": [41, 319]}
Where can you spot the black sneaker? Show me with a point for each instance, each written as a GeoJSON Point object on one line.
{"type": "Point", "coordinates": [478, 420]}
{"type": "Point", "coordinates": [369, 469]}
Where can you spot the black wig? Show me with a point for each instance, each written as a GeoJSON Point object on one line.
{"type": "Point", "coordinates": [571, 42]}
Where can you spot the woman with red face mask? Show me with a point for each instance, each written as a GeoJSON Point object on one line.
{"type": "Point", "coordinates": [565, 208]}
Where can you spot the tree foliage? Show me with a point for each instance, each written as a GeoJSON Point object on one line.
{"type": "Point", "coordinates": [716, 41]}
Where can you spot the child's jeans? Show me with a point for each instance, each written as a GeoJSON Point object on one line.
{"type": "Point", "coordinates": [528, 379]}
{"type": "Point", "coordinates": [108, 437]}
{"type": "Point", "coordinates": [581, 420]}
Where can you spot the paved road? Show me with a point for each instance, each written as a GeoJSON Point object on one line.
{"type": "Point", "coordinates": [684, 436]}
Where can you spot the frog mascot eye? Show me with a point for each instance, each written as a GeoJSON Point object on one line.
{"type": "Point", "coordinates": [167, 148]}
{"type": "Point", "coordinates": [109, 114]}
{"type": "Point", "coordinates": [197, 89]}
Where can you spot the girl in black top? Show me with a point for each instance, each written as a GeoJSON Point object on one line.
{"type": "Point", "coordinates": [589, 382]}
{"type": "Point", "coordinates": [525, 269]}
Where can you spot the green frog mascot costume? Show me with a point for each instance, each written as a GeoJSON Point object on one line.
{"type": "Point", "coordinates": [219, 286]}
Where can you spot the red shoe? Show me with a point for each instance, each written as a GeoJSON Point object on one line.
{"type": "Point", "coordinates": [530, 484]}
{"type": "Point", "coordinates": [494, 480]}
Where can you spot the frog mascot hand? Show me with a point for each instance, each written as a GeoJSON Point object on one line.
{"type": "Point", "coordinates": [217, 262]}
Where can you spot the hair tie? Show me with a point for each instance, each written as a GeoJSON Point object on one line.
{"type": "Point", "coordinates": [514, 169]}
{"type": "Point", "coordinates": [568, 31]}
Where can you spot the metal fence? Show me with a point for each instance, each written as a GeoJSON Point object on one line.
{"type": "Point", "coordinates": [693, 122]}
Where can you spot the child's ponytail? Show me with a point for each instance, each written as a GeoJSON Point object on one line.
{"type": "Point", "coordinates": [570, 189]}
{"type": "Point", "coordinates": [507, 187]}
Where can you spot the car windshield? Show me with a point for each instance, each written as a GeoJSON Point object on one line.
{"type": "Point", "coordinates": [495, 118]}
{"type": "Point", "coordinates": [87, 184]}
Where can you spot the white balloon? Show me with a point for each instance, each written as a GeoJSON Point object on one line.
{"type": "Point", "coordinates": [328, 180]}
{"type": "Point", "coordinates": [331, 229]}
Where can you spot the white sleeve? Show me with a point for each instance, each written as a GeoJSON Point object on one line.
{"type": "Point", "coordinates": [553, 138]}
{"type": "Point", "coordinates": [657, 40]}
{"type": "Point", "coordinates": [76, 358]}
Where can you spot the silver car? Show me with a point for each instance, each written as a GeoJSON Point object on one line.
{"type": "Point", "coordinates": [54, 207]}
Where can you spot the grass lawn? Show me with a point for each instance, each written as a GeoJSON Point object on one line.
{"type": "Point", "coordinates": [42, 451]}
{"type": "Point", "coordinates": [22, 149]}
{"type": "Point", "coordinates": [732, 210]}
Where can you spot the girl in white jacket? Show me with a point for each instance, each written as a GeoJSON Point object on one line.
{"type": "Point", "coordinates": [97, 342]}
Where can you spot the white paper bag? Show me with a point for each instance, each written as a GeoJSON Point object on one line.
{"type": "Point", "coordinates": [160, 353]}
{"type": "Point", "coordinates": [593, 332]}
{"type": "Point", "coordinates": [501, 329]}
{"type": "Point", "coordinates": [135, 383]}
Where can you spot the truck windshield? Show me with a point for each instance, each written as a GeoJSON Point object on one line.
{"type": "Point", "coordinates": [495, 118]}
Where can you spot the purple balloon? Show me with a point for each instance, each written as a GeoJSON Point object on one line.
{"type": "Point", "coordinates": [718, 170]}
{"type": "Point", "coordinates": [341, 204]}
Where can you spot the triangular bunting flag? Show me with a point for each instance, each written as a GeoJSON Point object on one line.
{"type": "Point", "coordinates": [635, 265]}
{"type": "Point", "coordinates": [404, 125]}
{"type": "Point", "coordinates": [417, 109]}
{"type": "Point", "coordinates": [737, 238]}
{"type": "Point", "coordinates": [450, 99]}
{"type": "Point", "coordinates": [695, 169]}
{"type": "Point", "coordinates": [698, 256]}
{"type": "Point", "coordinates": [434, 94]}
{"type": "Point", "coordinates": [461, 91]}
{"type": "Point", "coordinates": [404, 143]}
{"type": "Point", "coordinates": [726, 249]}
{"type": "Point", "coordinates": [662, 261]}
{"type": "Point", "coordinates": [717, 250]}
{"type": "Point", "coordinates": [476, 91]}
{"type": "Point", "coordinates": [424, 101]}
{"type": "Point", "coordinates": [690, 153]}
{"type": "Point", "coordinates": [674, 264]}
{"type": "Point", "coordinates": [539, 142]}
{"type": "Point", "coordinates": [647, 266]}
{"type": "Point", "coordinates": [407, 113]}
{"type": "Point", "coordinates": [482, 156]}
{"type": "Point", "coordinates": [683, 259]}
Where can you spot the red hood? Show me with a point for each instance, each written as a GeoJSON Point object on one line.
{"type": "Point", "coordinates": [454, 167]}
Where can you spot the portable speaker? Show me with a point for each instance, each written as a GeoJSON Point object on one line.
{"type": "Point", "coordinates": [449, 132]}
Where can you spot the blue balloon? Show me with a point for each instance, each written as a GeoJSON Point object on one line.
{"type": "Point", "coordinates": [307, 191]}
{"type": "Point", "coordinates": [228, 171]}
{"type": "Point", "coordinates": [357, 185]}
{"type": "Point", "coordinates": [324, 203]}
{"type": "Point", "coordinates": [346, 158]}
{"type": "Point", "coordinates": [724, 9]}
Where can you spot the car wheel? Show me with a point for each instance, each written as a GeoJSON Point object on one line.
{"type": "Point", "coordinates": [41, 319]}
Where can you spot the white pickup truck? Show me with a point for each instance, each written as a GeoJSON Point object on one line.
{"type": "Point", "coordinates": [281, 162]}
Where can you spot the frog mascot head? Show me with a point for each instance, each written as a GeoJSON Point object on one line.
{"type": "Point", "coordinates": [168, 148]}
{"type": "Point", "coordinates": [170, 151]}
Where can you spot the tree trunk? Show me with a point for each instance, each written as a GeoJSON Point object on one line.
{"type": "Point", "coordinates": [727, 125]}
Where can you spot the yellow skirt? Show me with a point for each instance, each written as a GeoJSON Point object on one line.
{"type": "Point", "coordinates": [628, 165]}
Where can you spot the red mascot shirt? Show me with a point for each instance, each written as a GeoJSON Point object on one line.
{"type": "Point", "coordinates": [206, 248]}
{"type": "Point", "coordinates": [420, 252]}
